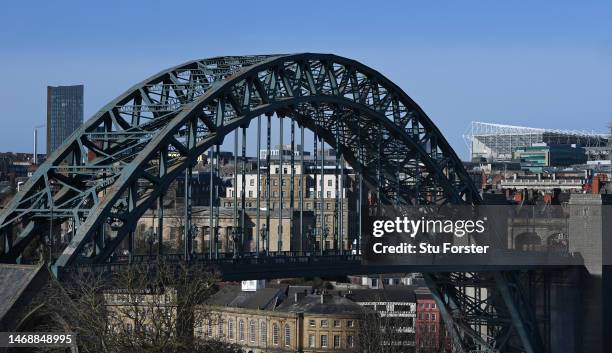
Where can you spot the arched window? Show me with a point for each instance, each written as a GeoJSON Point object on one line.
{"type": "Point", "coordinates": [241, 330]}
{"type": "Point", "coordinates": [275, 334]}
{"type": "Point", "coordinates": [263, 331]}
{"type": "Point", "coordinates": [287, 335]}
{"type": "Point", "coordinates": [230, 328]}
{"type": "Point", "coordinates": [252, 331]}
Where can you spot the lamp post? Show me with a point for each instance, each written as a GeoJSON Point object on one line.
{"type": "Point", "coordinates": [194, 236]}
{"type": "Point", "coordinates": [236, 234]}
{"type": "Point", "coordinates": [263, 233]}
{"type": "Point", "coordinates": [324, 239]}
{"type": "Point", "coordinates": [311, 237]}
{"type": "Point", "coordinates": [150, 240]}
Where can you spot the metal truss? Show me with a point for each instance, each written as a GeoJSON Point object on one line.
{"type": "Point", "coordinates": [120, 162]}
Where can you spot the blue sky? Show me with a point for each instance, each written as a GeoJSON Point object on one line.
{"type": "Point", "coordinates": [544, 64]}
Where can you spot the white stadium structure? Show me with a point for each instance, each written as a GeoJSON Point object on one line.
{"type": "Point", "coordinates": [497, 141]}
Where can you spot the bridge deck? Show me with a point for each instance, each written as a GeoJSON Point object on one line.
{"type": "Point", "coordinates": [286, 265]}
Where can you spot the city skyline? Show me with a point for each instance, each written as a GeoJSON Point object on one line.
{"type": "Point", "coordinates": [499, 63]}
{"type": "Point", "coordinates": [190, 176]}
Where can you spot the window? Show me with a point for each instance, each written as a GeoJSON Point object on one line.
{"type": "Point", "coordinates": [263, 333]}
{"type": "Point", "coordinates": [311, 340]}
{"type": "Point", "coordinates": [350, 323]}
{"type": "Point", "coordinates": [220, 328]}
{"type": "Point", "coordinates": [230, 328]}
{"type": "Point", "coordinates": [252, 182]}
{"type": "Point", "coordinates": [241, 330]}
{"type": "Point", "coordinates": [323, 341]}
{"type": "Point", "coordinates": [252, 331]}
{"type": "Point", "coordinates": [336, 323]}
{"type": "Point", "coordinates": [329, 194]}
{"type": "Point", "coordinates": [350, 341]}
{"type": "Point", "coordinates": [328, 206]}
{"type": "Point", "coordinates": [275, 334]}
{"type": "Point", "coordinates": [330, 182]}
{"type": "Point", "coordinates": [399, 307]}
{"type": "Point", "coordinates": [275, 182]}
{"type": "Point", "coordinates": [312, 323]}
{"type": "Point", "coordinates": [433, 306]}
{"type": "Point", "coordinates": [323, 323]}
{"type": "Point", "coordinates": [209, 330]}
{"type": "Point", "coordinates": [287, 335]}
{"type": "Point", "coordinates": [433, 316]}
{"type": "Point", "coordinates": [426, 316]}
{"type": "Point", "coordinates": [250, 193]}
{"type": "Point", "coordinates": [433, 328]}
{"type": "Point", "coordinates": [336, 341]}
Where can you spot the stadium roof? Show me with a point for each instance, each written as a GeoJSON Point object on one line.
{"type": "Point", "coordinates": [478, 128]}
{"type": "Point", "coordinates": [481, 130]}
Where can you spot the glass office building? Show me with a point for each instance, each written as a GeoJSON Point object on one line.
{"type": "Point", "coordinates": [64, 114]}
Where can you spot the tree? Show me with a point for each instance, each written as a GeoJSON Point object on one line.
{"type": "Point", "coordinates": [384, 334]}
{"type": "Point", "coordinates": [142, 308]}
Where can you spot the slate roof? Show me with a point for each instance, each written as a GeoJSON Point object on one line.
{"type": "Point", "coordinates": [233, 296]}
{"type": "Point", "coordinates": [332, 304]}
{"type": "Point", "coordinates": [424, 295]}
{"type": "Point", "coordinates": [293, 290]}
{"type": "Point", "coordinates": [14, 279]}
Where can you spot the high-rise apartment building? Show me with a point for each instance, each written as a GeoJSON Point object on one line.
{"type": "Point", "coordinates": [64, 114]}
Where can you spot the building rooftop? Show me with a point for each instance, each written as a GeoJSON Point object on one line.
{"type": "Point", "coordinates": [423, 295]}
{"type": "Point", "coordinates": [262, 299]}
{"type": "Point", "coordinates": [15, 279]}
{"type": "Point", "coordinates": [404, 294]}
{"type": "Point", "coordinates": [323, 304]}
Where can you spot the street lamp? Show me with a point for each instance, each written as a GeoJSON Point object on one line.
{"type": "Point", "coordinates": [324, 240]}
{"type": "Point", "coordinates": [194, 236]}
{"type": "Point", "coordinates": [236, 239]}
{"type": "Point", "coordinates": [263, 233]}
{"type": "Point", "coordinates": [150, 241]}
{"type": "Point", "coordinates": [311, 237]}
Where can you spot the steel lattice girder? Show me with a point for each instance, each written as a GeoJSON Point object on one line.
{"type": "Point", "coordinates": [142, 140]}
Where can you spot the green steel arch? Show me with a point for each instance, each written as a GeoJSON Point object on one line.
{"type": "Point", "coordinates": [120, 161]}
{"type": "Point", "coordinates": [139, 142]}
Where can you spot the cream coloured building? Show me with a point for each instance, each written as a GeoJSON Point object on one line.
{"type": "Point", "coordinates": [283, 319]}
